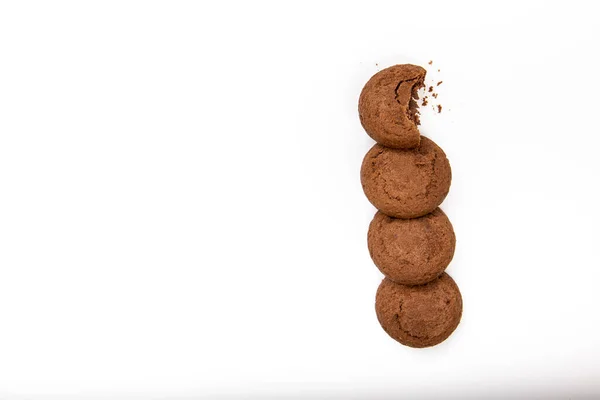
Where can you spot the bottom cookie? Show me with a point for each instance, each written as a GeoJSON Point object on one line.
{"type": "Point", "coordinates": [419, 316]}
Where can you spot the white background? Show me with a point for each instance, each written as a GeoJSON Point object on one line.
{"type": "Point", "coordinates": [181, 213]}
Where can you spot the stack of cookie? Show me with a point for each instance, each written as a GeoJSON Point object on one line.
{"type": "Point", "coordinates": [406, 176]}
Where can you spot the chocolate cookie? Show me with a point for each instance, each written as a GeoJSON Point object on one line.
{"type": "Point", "coordinates": [406, 183]}
{"type": "Point", "coordinates": [411, 251]}
{"type": "Point", "coordinates": [387, 106]}
{"type": "Point", "coordinates": [419, 316]}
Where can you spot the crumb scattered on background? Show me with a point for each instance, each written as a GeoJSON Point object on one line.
{"type": "Point", "coordinates": [376, 64]}
{"type": "Point", "coordinates": [432, 94]}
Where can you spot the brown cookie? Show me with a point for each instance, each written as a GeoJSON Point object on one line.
{"type": "Point", "coordinates": [387, 106]}
{"type": "Point", "coordinates": [411, 251]}
{"type": "Point", "coordinates": [419, 316]}
{"type": "Point", "coordinates": [406, 183]}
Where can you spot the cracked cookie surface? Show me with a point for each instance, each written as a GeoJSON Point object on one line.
{"type": "Point", "coordinates": [411, 251]}
{"type": "Point", "coordinates": [387, 106]}
{"type": "Point", "coordinates": [406, 183]}
{"type": "Point", "coordinates": [419, 316]}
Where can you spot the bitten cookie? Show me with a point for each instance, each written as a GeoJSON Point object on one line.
{"type": "Point", "coordinates": [411, 251]}
{"type": "Point", "coordinates": [419, 316]}
{"type": "Point", "coordinates": [406, 183]}
{"type": "Point", "coordinates": [387, 106]}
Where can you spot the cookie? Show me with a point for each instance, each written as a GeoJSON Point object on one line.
{"type": "Point", "coordinates": [411, 251]}
{"type": "Point", "coordinates": [387, 106]}
{"type": "Point", "coordinates": [406, 183]}
{"type": "Point", "coordinates": [419, 316]}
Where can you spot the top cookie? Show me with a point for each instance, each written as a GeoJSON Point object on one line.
{"type": "Point", "coordinates": [406, 183]}
{"type": "Point", "coordinates": [387, 107]}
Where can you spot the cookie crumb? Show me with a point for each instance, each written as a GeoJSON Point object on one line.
{"type": "Point", "coordinates": [438, 70]}
{"type": "Point", "coordinates": [435, 95]}
{"type": "Point", "coordinates": [424, 103]}
{"type": "Point", "coordinates": [439, 83]}
{"type": "Point", "coordinates": [430, 62]}
{"type": "Point", "coordinates": [376, 64]}
{"type": "Point", "coordinates": [430, 89]}
{"type": "Point", "coordinates": [439, 107]}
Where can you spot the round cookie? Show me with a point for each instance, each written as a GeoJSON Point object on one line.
{"type": "Point", "coordinates": [411, 251]}
{"type": "Point", "coordinates": [387, 106]}
{"type": "Point", "coordinates": [419, 316]}
{"type": "Point", "coordinates": [406, 183]}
